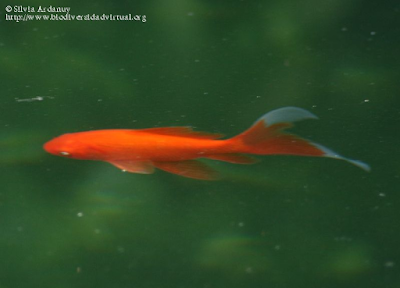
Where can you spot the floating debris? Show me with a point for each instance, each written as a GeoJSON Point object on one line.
{"type": "Point", "coordinates": [37, 98]}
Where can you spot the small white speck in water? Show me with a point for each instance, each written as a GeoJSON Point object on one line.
{"type": "Point", "coordinates": [249, 270]}
{"type": "Point", "coordinates": [389, 264]}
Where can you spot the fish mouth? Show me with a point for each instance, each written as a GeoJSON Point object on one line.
{"type": "Point", "coordinates": [47, 147]}
{"type": "Point", "coordinates": [52, 147]}
{"type": "Point", "coordinates": [55, 145]}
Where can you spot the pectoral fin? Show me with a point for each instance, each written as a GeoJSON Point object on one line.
{"type": "Point", "coordinates": [189, 168]}
{"type": "Point", "coordinates": [141, 167]}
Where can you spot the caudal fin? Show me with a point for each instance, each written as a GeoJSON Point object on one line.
{"type": "Point", "coordinates": [267, 137]}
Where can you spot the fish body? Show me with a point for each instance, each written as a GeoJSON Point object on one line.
{"type": "Point", "coordinates": [145, 144]}
{"type": "Point", "coordinates": [176, 149]}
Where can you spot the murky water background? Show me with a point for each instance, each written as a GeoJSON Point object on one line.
{"type": "Point", "coordinates": [284, 222]}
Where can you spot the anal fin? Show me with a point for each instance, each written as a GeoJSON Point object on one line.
{"type": "Point", "coordinates": [188, 168]}
{"type": "Point", "coordinates": [141, 167]}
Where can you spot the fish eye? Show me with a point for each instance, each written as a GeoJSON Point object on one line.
{"type": "Point", "coordinates": [63, 153]}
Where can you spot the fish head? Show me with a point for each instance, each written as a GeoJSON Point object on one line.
{"type": "Point", "coordinates": [67, 145]}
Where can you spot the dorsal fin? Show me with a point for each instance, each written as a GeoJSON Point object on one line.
{"type": "Point", "coordinates": [183, 131]}
{"type": "Point", "coordinates": [233, 158]}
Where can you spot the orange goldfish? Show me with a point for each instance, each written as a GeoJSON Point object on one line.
{"type": "Point", "coordinates": [176, 149]}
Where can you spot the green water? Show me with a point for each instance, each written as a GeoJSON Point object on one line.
{"type": "Point", "coordinates": [217, 66]}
